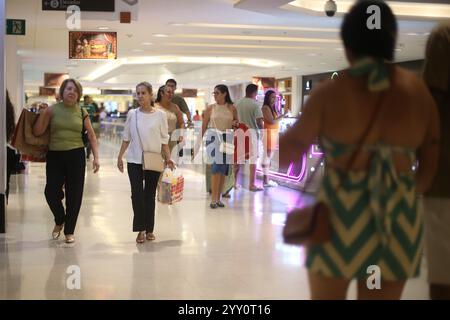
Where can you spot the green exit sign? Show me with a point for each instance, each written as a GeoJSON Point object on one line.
{"type": "Point", "coordinates": [15, 27]}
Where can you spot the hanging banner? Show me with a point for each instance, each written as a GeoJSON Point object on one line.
{"type": "Point", "coordinates": [189, 93]}
{"type": "Point", "coordinates": [92, 45]}
{"type": "Point", "coordinates": [54, 80]}
{"type": "Point", "coordinates": [49, 92]}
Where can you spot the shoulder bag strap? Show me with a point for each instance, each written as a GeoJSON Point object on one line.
{"type": "Point", "coordinates": [137, 128]}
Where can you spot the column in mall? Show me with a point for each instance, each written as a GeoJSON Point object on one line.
{"type": "Point", "coordinates": [2, 120]}
{"type": "Point", "coordinates": [297, 93]}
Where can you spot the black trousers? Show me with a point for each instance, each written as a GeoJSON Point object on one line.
{"type": "Point", "coordinates": [143, 192]}
{"type": "Point", "coordinates": [65, 169]}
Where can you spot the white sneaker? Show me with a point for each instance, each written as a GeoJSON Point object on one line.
{"type": "Point", "coordinates": [270, 184]}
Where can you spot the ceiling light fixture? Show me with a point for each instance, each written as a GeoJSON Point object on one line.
{"type": "Point", "coordinates": [255, 38]}
{"type": "Point", "coordinates": [103, 28]}
{"type": "Point", "coordinates": [405, 9]}
{"type": "Point", "coordinates": [111, 65]}
{"type": "Point", "coordinates": [258, 27]}
{"type": "Point", "coordinates": [160, 35]}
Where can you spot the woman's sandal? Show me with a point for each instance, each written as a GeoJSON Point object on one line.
{"type": "Point", "coordinates": [140, 237]}
{"type": "Point", "coordinates": [220, 204]}
{"type": "Point", "coordinates": [150, 236]}
{"type": "Point", "coordinates": [57, 231]}
{"type": "Point", "coordinates": [70, 238]}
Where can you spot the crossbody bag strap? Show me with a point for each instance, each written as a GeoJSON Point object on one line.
{"type": "Point", "coordinates": [137, 128]}
{"type": "Point", "coordinates": [83, 117]}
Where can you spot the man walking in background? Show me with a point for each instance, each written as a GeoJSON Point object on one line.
{"type": "Point", "coordinates": [179, 100]}
{"type": "Point", "coordinates": [250, 113]}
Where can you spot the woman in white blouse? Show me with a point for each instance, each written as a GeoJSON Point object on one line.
{"type": "Point", "coordinates": [153, 136]}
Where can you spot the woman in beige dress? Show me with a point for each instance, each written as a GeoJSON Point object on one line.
{"type": "Point", "coordinates": [173, 112]}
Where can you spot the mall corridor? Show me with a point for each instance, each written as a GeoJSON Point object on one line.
{"type": "Point", "coordinates": [231, 253]}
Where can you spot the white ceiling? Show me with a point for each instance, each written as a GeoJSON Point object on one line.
{"type": "Point", "coordinates": [295, 42]}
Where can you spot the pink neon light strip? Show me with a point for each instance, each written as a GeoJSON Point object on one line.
{"type": "Point", "coordinates": [314, 153]}
{"type": "Point", "coordinates": [288, 176]}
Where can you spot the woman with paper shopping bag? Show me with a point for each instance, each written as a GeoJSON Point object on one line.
{"type": "Point", "coordinates": [66, 159]}
{"type": "Point", "coordinates": [171, 187]}
{"type": "Point", "coordinates": [220, 118]}
{"type": "Point", "coordinates": [145, 136]}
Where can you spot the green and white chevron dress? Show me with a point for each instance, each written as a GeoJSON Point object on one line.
{"type": "Point", "coordinates": [375, 218]}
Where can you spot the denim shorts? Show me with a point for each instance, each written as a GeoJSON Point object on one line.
{"type": "Point", "coordinates": [220, 162]}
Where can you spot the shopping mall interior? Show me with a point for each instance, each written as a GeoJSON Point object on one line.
{"type": "Point", "coordinates": [200, 253]}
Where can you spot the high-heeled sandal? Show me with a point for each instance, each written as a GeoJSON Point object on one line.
{"type": "Point", "coordinates": [140, 237]}
{"type": "Point", "coordinates": [57, 231]}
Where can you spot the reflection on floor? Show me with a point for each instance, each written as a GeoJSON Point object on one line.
{"type": "Point", "coordinates": [231, 253]}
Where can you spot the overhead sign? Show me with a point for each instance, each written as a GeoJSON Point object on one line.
{"type": "Point", "coordinates": [110, 92]}
{"type": "Point", "coordinates": [189, 93]}
{"type": "Point", "coordinates": [49, 92]}
{"type": "Point", "coordinates": [92, 45]}
{"type": "Point", "coordinates": [15, 27]}
{"type": "Point", "coordinates": [54, 80]}
{"type": "Point", "coordinates": [85, 5]}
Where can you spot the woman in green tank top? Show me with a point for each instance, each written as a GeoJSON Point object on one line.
{"type": "Point", "coordinates": [66, 159]}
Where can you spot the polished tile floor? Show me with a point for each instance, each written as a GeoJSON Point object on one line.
{"type": "Point", "coordinates": [231, 253]}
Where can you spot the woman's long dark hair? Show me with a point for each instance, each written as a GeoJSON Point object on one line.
{"type": "Point", "coordinates": [160, 93]}
{"type": "Point", "coordinates": [267, 101]}
{"type": "Point", "coordinates": [10, 118]}
{"type": "Point", "coordinates": [224, 89]}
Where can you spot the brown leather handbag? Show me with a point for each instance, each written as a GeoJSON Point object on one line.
{"type": "Point", "coordinates": [308, 226]}
{"type": "Point", "coordinates": [311, 225]}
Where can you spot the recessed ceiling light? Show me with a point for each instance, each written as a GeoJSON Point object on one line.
{"type": "Point", "coordinates": [224, 80]}
{"type": "Point", "coordinates": [103, 28]}
{"type": "Point", "coordinates": [147, 43]}
{"type": "Point", "coordinates": [138, 50]}
{"type": "Point", "coordinates": [160, 35]}
{"type": "Point", "coordinates": [176, 24]}
{"type": "Point", "coordinates": [412, 34]}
